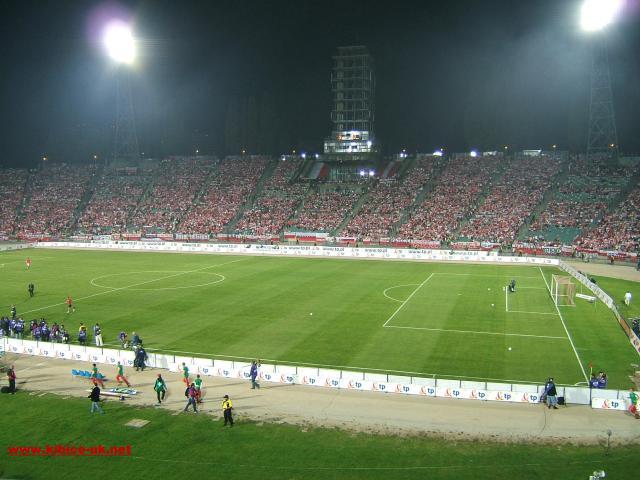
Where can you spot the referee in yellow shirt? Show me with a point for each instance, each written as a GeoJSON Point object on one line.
{"type": "Point", "coordinates": [227, 406]}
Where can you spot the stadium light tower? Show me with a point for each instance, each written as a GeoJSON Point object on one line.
{"type": "Point", "coordinates": [120, 45]}
{"type": "Point", "coordinates": [595, 17]}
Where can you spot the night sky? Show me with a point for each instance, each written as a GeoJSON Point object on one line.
{"type": "Point", "coordinates": [464, 74]}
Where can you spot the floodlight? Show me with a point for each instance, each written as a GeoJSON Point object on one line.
{"type": "Point", "coordinates": [303, 155]}
{"type": "Point", "coordinates": [362, 173]}
{"type": "Point", "coordinates": [473, 153]}
{"type": "Point", "coordinates": [438, 153]}
{"type": "Point", "coordinates": [597, 14]}
{"type": "Point", "coordinates": [372, 173]}
{"type": "Point", "coordinates": [119, 43]}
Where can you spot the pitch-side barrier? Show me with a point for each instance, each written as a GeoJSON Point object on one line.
{"type": "Point", "coordinates": [326, 378]}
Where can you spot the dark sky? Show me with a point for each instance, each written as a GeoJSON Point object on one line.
{"type": "Point", "coordinates": [458, 74]}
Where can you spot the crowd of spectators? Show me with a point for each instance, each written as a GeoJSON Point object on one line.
{"type": "Point", "coordinates": [235, 180]}
{"type": "Point", "coordinates": [583, 196]}
{"type": "Point", "coordinates": [324, 210]}
{"type": "Point", "coordinates": [12, 186]}
{"type": "Point", "coordinates": [54, 194]}
{"type": "Point", "coordinates": [387, 201]}
{"type": "Point", "coordinates": [176, 182]}
{"type": "Point", "coordinates": [276, 203]}
{"type": "Point", "coordinates": [116, 195]}
{"type": "Point", "coordinates": [453, 199]}
{"type": "Point", "coordinates": [512, 200]}
{"type": "Point", "coordinates": [619, 229]}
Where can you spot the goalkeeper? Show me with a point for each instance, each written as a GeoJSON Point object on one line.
{"type": "Point", "coordinates": [512, 286]}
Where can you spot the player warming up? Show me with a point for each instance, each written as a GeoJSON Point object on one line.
{"type": "Point", "coordinates": [69, 302]}
{"type": "Point", "coordinates": [27, 262]}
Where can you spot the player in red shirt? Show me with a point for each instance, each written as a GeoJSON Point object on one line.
{"type": "Point", "coordinates": [69, 302]}
{"type": "Point", "coordinates": [28, 263]}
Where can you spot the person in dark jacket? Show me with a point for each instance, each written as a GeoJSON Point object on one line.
{"type": "Point", "coordinates": [191, 395]}
{"type": "Point", "coordinates": [140, 359]}
{"type": "Point", "coordinates": [11, 376]}
{"type": "Point", "coordinates": [551, 394]}
{"type": "Point", "coordinates": [95, 399]}
{"type": "Point", "coordinates": [253, 373]}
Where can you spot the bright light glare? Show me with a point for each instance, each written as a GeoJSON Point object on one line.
{"type": "Point", "coordinates": [118, 40]}
{"type": "Point", "coordinates": [438, 153]}
{"type": "Point", "coordinates": [597, 14]}
{"type": "Point", "coordinates": [473, 153]}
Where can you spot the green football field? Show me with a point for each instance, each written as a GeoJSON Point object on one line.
{"type": "Point", "coordinates": [405, 318]}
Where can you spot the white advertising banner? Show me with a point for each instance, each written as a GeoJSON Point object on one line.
{"type": "Point", "coordinates": [608, 404]}
{"type": "Point", "coordinates": [307, 251]}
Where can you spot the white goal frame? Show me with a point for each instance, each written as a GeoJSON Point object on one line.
{"type": "Point", "coordinates": [563, 291]}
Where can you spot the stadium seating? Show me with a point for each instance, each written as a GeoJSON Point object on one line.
{"type": "Point", "coordinates": [453, 199]}
{"type": "Point", "coordinates": [580, 199]}
{"type": "Point", "coordinates": [54, 194]}
{"type": "Point", "coordinates": [387, 201]}
{"type": "Point", "coordinates": [276, 203]}
{"type": "Point", "coordinates": [12, 188]}
{"type": "Point", "coordinates": [511, 200]}
{"type": "Point", "coordinates": [233, 182]}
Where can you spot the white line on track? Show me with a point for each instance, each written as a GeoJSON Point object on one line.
{"type": "Point", "coordinates": [565, 327]}
{"type": "Point", "coordinates": [476, 332]}
{"type": "Point", "coordinates": [134, 285]}
{"type": "Point", "coordinates": [408, 298]}
{"type": "Point", "coordinates": [397, 286]}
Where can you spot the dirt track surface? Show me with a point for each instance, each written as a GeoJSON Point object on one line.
{"type": "Point", "coordinates": [357, 411]}
{"type": "Point", "coordinates": [622, 272]}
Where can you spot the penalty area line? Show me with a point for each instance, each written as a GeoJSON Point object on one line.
{"type": "Point", "coordinates": [407, 300]}
{"type": "Point", "coordinates": [476, 332]}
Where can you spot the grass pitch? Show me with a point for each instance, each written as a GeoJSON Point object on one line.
{"type": "Point", "coordinates": [195, 446]}
{"type": "Point", "coordinates": [404, 318]}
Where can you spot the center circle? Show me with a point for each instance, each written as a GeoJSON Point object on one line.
{"type": "Point", "coordinates": [169, 274]}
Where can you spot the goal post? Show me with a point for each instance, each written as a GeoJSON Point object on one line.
{"type": "Point", "coordinates": [563, 290]}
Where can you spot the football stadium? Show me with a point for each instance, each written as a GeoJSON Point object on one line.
{"type": "Point", "coordinates": [278, 239]}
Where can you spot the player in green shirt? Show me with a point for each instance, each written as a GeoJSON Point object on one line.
{"type": "Point", "coordinates": [96, 377]}
{"type": "Point", "coordinates": [185, 374]}
{"type": "Point", "coordinates": [161, 388]}
{"type": "Point", "coordinates": [120, 376]}
{"type": "Point", "coordinates": [198, 384]}
{"type": "Point", "coordinates": [633, 406]}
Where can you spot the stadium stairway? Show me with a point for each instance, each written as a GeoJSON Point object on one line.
{"type": "Point", "coordinates": [427, 188]}
{"type": "Point", "coordinates": [405, 166]}
{"type": "Point", "coordinates": [303, 170]}
{"type": "Point", "coordinates": [549, 195]}
{"type": "Point", "coordinates": [353, 212]}
{"type": "Point", "coordinates": [481, 198]}
{"type": "Point", "coordinates": [147, 190]}
{"type": "Point", "coordinates": [266, 174]}
{"type": "Point", "coordinates": [197, 197]}
{"type": "Point", "coordinates": [86, 197]}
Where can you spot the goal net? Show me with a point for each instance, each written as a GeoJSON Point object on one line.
{"type": "Point", "coordinates": [563, 290]}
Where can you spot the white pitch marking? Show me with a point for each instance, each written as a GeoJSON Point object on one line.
{"type": "Point", "coordinates": [485, 275]}
{"type": "Point", "coordinates": [532, 313]}
{"type": "Point", "coordinates": [222, 278]}
{"type": "Point", "coordinates": [408, 298]}
{"type": "Point", "coordinates": [135, 285]}
{"type": "Point", "coordinates": [565, 327]}
{"type": "Point", "coordinates": [476, 332]}
{"type": "Point", "coordinates": [397, 286]}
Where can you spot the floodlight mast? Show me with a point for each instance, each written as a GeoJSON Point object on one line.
{"type": "Point", "coordinates": [595, 17]}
